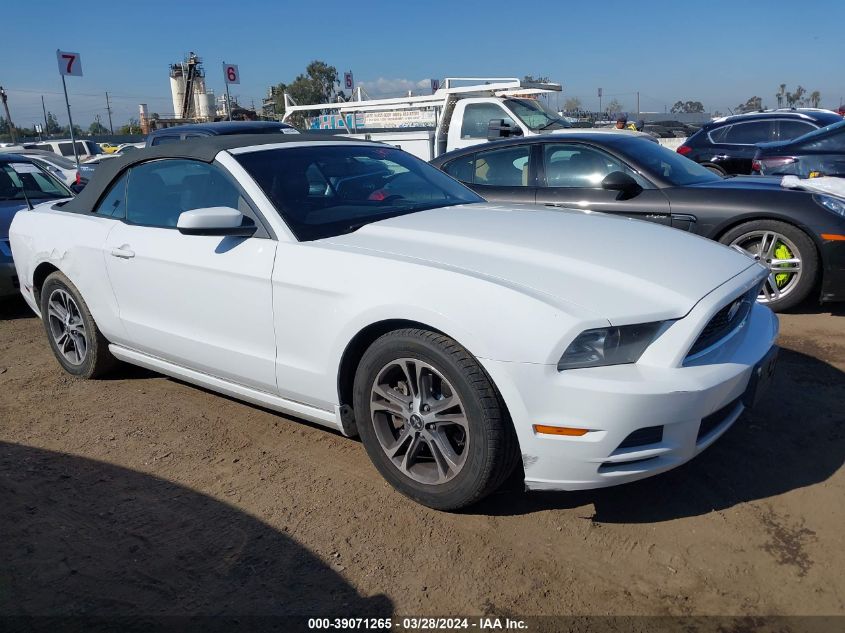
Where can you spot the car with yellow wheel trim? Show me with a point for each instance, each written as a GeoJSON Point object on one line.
{"type": "Point", "coordinates": [799, 235]}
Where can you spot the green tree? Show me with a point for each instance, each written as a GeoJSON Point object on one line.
{"type": "Point", "coordinates": [815, 98]}
{"type": "Point", "coordinates": [614, 106]}
{"type": "Point", "coordinates": [53, 126]}
{"type": "Point", "coordinates": [540, 79]}
{"type": "Point", "coordinates": [687, 106]}
{"type": "Point", "coordinates": [573, 104]}
{"type": "Point", "coordinates": [97, 129]}
{"type": "Point", "coordinates": [133, 127]}
{"type": "Point", "coordinates": [751, 105]}
{"type": "Point", "coordinates": [316, 85]}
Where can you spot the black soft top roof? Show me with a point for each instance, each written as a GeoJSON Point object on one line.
{"type": "Point", "coordinates": [203, 149]}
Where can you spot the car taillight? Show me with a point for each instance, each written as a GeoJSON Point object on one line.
{"type": "Point", "coordinates": [683, 150]}
{"type": "Point", "coordinates": [769, 163]}
{"type": "Point", "coordinates": [78, 178]}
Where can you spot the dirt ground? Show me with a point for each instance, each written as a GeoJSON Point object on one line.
{"type": "Point", "coordinates": [144, 495]}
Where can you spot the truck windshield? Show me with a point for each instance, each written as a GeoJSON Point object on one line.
{"type": "Point", "coordinates": [536, 115]}
{"type": "Point", "coordinates": [323, 190]}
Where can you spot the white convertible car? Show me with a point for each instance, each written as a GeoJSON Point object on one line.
{"type": "Point", "coordinates": [351, 284]}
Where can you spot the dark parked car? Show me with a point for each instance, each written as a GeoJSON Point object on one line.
{"type": "Point", "coordinates": [727, 145]}
{"type": "Point", "coordinates": [800, 236]}
{"type": "Point", "coordinates": [819, 153]}
{"type": "Point", "coordinates": [22, 183]}
{"type": "Point", "coordinates": [195, 130]}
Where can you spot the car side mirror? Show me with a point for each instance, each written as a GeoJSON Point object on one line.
{"type": "Point", "coordinates": [622, 182]}
{"type": "Point", "coordinates": [214, 221]}
{"type": "Point", "coordinates": [499, 128]}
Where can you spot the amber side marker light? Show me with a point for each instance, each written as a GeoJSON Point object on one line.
{"type": "Point", "coordinates": [833, 237]}
{"type": "Point", "coordinates": [559, 430]}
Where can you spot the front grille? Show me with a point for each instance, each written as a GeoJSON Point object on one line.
{"type": "Point", "coordinates": [716, 419]}
{"type": "Point", "coordinates": [643, 437]}
{"type": "Point", "coordinates": [724, 322]}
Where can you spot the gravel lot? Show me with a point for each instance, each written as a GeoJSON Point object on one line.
{"type": "Point", "coordinates": [144, 495]}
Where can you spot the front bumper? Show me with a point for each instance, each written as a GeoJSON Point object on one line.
{"type": "Point", "coordinates": [694, 403]}
{"type": "Point", "coordinates": [833, 266]}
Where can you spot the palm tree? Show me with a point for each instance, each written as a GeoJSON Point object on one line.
{"type": "Point", "coordinates": [815, 98]}
{"type": "Point", "coordinates": [799, 95]}
{"type": "Point", "coordinates": [781, 93]}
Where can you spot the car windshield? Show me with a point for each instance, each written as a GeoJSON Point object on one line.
{"type": "Point", "coordinates": [324, 190]}
{"type": "Point", "coordinates": [663, 163]}
{"type": "Point", "coordinates": [19, 181]}
{"type": "Point", "coordinates": [536, 115]}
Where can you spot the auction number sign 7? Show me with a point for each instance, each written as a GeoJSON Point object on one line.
{"type": "Point", "coordinates": [70, 64]}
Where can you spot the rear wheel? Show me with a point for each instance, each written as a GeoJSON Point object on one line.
{"type": "Point", "coordinates": [789, 254]}
{"type": "Point", "coordinates": [431, 420]}
{"type": "Point", "coordinates": [74, 337]}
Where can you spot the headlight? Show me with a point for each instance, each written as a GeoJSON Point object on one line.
{"type": "Point", "coordinates": [609, 346]}
{"type": "Point", "coordinates": [831, 203]}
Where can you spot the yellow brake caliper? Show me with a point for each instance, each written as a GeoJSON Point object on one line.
{"type": "Point", "coordinates": [782, 252]}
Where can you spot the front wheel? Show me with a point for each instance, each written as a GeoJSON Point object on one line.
{"type": "Point", "coordinates": [789, 254]}
{"type": "Point", "coordinates": [431, 420]}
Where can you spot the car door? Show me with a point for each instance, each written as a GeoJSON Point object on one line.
{"type": "Point", "coordinates": [571, 175]}
{"type": "Point", "coordinates": [504, 174]}
{"type": "Point", "coordinates": [735, 145]}
{"type": "Point", "coordinates": [200, 301]}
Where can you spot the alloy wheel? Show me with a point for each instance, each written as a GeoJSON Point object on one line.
{"type": "Point", "coordinates": [780, 255]}
{"type": "Point", "coordinates": [67, 326]}
{"type": "Point", "coordinates": [420, 421]}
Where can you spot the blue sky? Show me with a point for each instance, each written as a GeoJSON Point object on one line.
{"type": "Point", "coordinates": [719, 53]}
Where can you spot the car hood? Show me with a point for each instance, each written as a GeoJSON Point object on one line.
{"type": "Point", "coordinates": [622, 270]}
{"type": "Point", "coordinates": [759, 183]}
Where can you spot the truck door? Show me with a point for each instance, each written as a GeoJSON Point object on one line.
{"type": "Point", "coordinates": [471, 119]}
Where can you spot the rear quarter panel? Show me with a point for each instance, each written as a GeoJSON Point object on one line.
{"type": "Point", "coordinates": [72, 243]}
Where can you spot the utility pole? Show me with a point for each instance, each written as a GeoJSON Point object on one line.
{"type": "Point", "coordinates": [8, 116]}
{"type": "Point", "coordinates": [638, 105]}
{"type": "Point", "coordinates": [108, 109]}
{"type": "Point", "coordinates": [44, 110]}
{"type": "Point", "coordinates": [97, 119]}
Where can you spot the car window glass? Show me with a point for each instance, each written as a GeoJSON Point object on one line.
{"type": "Point", "coordinates": [749, 133]}
{"type": "Point", "coordinates": [793, 129]}
{"type": "Point", "coordinates": [718, 135]}
{"type": "Point", "coordinates": [163, 140]}
{"type": "Point", "coordinates": [159, 191]}
{"type": "Point", "coordinates": [461, 168]}
{"type": "Point", "coordinates": [66, 149]}
{"type": "Point", "coordinates": [502, 167]}
{"type": "Point", "coordinates": [477, 118]}
{"type": "Point", "coordinates": [574, 165]}
{"type": "Point", "coordinates": [114, 202]}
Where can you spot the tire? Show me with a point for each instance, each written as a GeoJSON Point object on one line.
{"type": "Point", "coordinates": [792, 288]}
{"type": "Point", "coordinates": [83, 350]}
{"type": "Point", "coordinates": [482, 450]}
{"type": "Point", "coordinates": [715, 169]}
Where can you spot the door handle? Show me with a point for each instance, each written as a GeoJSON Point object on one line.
{"type": "Point", "coordinates": [124, 252]}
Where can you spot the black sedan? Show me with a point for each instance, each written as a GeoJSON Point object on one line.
{"type": "Point", "coordinates": [819, 153]}
{"type": "Point", "coordinates": [800, 235]}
